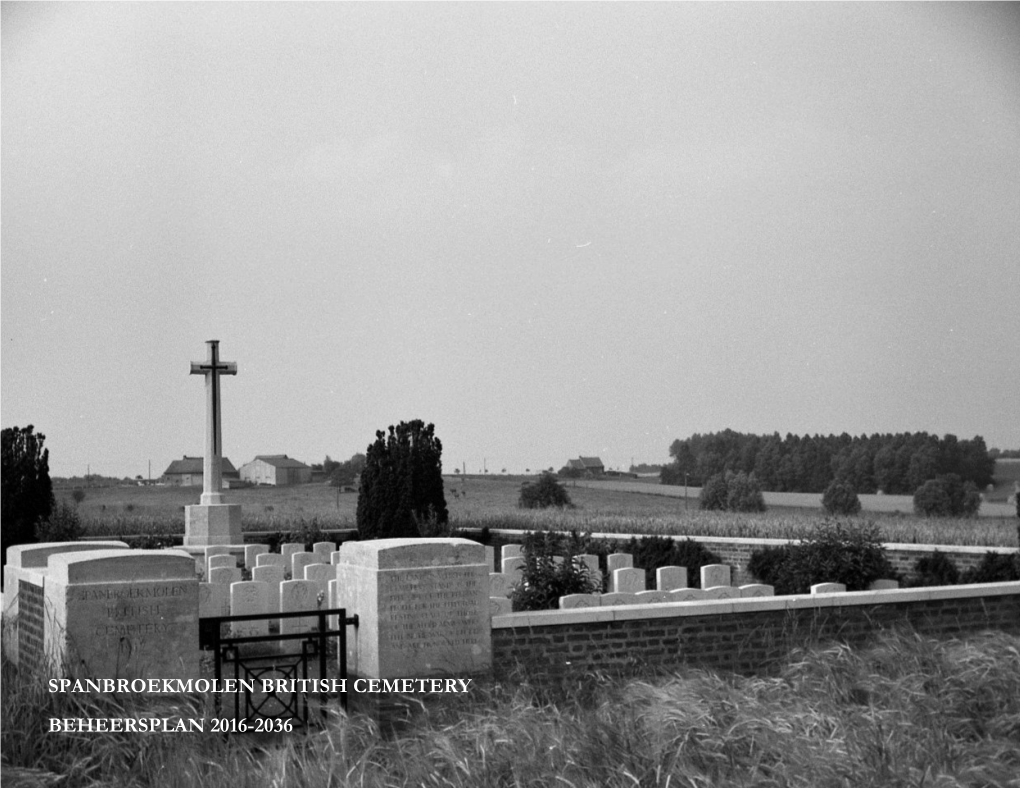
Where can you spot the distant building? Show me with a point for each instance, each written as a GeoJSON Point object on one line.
{"type": "Point", "coordinates": [276, 469]}
{"type": "Point", "coordinates": [189, 472]}
{"type": "Point", "coordinates": [586, 466]}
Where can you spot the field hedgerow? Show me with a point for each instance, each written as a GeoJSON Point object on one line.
{"type": "Point", "coordinates": [907, 710]}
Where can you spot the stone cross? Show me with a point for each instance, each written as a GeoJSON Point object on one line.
{"type": "Point", "coordinates": [212, 471]}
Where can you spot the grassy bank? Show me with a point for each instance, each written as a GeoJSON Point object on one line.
{"type": "Point", "coordinates": [906, 711]}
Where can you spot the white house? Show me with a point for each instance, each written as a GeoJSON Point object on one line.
{"type": "Point", "coordinates": [278, 469]}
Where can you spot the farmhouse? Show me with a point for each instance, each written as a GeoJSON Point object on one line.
{"type": "Point", "coordinates": [277, 469]}
{"type": "Point", "coordinates": [188, 472]}
{"type": "Point", "coordinates": [587, 466]}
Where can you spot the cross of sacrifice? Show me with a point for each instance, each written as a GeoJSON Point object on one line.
{"type": "Point", "coordinates": [212, 467]}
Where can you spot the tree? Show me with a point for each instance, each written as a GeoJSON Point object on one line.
{"type": "Point", "coordinates": [402, 483]}
{"type": "Point", "coordinates": [26, 491]}
{"type": "Point", "coordinates": [840, 497]}
{"type": "Point", "coordinates": [743, 493]}
{"type": "Point", "coordinates": [947, 496]}
{"type": "Point", "coordinates": [713, 494]}
{"type": "Point", "coordinates": [544, 493]}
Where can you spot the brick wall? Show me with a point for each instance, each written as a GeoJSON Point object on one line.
{"type": "Point", "coordinates": [746, 636]}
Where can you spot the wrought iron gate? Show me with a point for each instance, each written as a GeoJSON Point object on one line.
{"type": "Point", "coordinates": [277, 657]}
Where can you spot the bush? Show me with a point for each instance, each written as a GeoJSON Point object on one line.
{"type": "Point", "coordinates": [735, 492]}
{"type": "Point", "coordinates": [652, 552]}
{"type": "Point", "coordinates": [743, 493]}
{"type": "Point", "coordinates": [840, 497]}
{"type": "Point", "coordinates": [78, 495]}
{"type": "Point", "coordinates": [947, 496]}
{"type": "Point", "coordinates": [63, 525]}
{"type": "Point", "coordinates": [935, 570]}
{"type": "Point", "coordinates": [838, 552]}
{"type": "Point", "coordinates": [544, 493]}
{"type": "Point", "coordinates": [543, 580]}
{"type": "Point", "coordinates": [714, 494]}
{"type": "Point", "coordinates": [995, 568]}
{"type": "Point", "coordinates": [26, 492]}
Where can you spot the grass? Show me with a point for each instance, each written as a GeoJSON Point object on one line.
{"type": "Point", "coordinates": [479, 502]}
{"type": "Point", "coordinates": [907, 710]}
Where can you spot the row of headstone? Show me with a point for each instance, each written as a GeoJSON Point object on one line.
{"type": "Point", "coordinates": [292, 558]}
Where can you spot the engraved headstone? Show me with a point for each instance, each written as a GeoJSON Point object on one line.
{"type": "Point", "coordinates": [652, 597]}
{"type": "Point", "coordinates": [248, 598]}
{"type": "Point", "coordinates": [715, 575]}
{"type": "Point", "coordinates": [296, 596]}
{"type": "Point", "coordinates": [629, 581]}
{"type": "Point", "coordinates": [272, 576]}
{"type": "Point", "coordinates": [828, 588]}
{"type": "Point", "coordinates": [287, 549]}
{"type": "Point", "coordinates": [513, 567]}
{"type": "Point", "coordinates": [510, 551]}
{"type": "Point", "coordinates": [271, 559]}
{"type": "Point", "coordinates": [213, 600]}
{"type": "Point", "coordinates": [883, 585]}
{"type": "Point", "coordinates": [686, 595]}
{"type": "Point", "coordinates": [752, 590]}
{"type": "Point", "coordinates": [298, 562]}
{"type": "Point", "coordinates": [423, 607]}
{"type": "Point", "coordinates": [218, 561]}
{"type": "Point", "coordinates": [225, 575]}
{"type": "Point", "coordinates": [122, 614]}
{"type": "Point", "coordinates": [324, 550]}
{"type": "Point", "coordinates": [500, 606]}
{"type": "Point", "coordinates": [321, 574]}
{"type": "Point", "coordinates": [616, 561]}
{"type": "Point", "coordinates": [617, 598]}
{"type": "Point", "coordinates": [500, 584]}
{"type": "Point", "coordinates": [668, 578]}
{"type": "Point", "coordinates": [721, 592]}
{"type": "Point", "coordinates": [572, 601]}
{"type": "Point", "coordinates": [251, 554]}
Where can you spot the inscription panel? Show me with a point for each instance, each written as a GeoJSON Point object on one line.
{"type": "Point", "coordinates": [31, 620]}
{"type": "Point", "coordinates": [130, 629]}
{"type": "Point", "coordinates": [427, 610]}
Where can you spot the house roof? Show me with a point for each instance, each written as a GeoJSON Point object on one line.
{"type": "Point", "coordinates": [195, 465]}
{"type": "Point", "coordinates": [280, 461]}
{"type": "Point", "coordinates": [585, 463]}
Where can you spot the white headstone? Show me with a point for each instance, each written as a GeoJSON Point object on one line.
{"type": "Point", "coordinates": [510, 551]}
{"type": "Point", "coordinates": [249, 598]}
{"type": "Point", "coordinates": [668, 578]}
{"type": "Point", "coordinates": [715, 575]}
{"type": "Point", "coordinates": [321, 574]}
{"type": "Point", "coordinates": [296, 596]}
{"type": "Point", "coordinates": [629, 581]}
{"type": "Point", "coordinates": [251, 554]}
{"type": "Point", "coordinates": [617, 598]}
{"type": "Point", "coordinates": [298, 562]}
{"type": "Point", "coordinates": [324, 550]}
{"type": "Point", "coordinates": [500, 584]}
{"type": "Point", "coordinates": [652, 597]}
{"type": "Point", "coordinates": [213, 600]}
{"type": "Point", "coordinates": [225, 575]}
{"type": "Point", "coordinates": [828, 588]}
{"type": "Point", "coordinates": [513, 568]}
{"type": "Point", "coordinates": [218, 561]}
{"type": "Point", "coordinates": [272, 576]}
{"type": "Point", "coordinates": [757, 590]}
{"type": "Point", "coordinates": [287, 549]}
{"type": "Point", "coordinates": [490, 556]}
{"type": "Point", "coordinates": [883, 585]}
{"type": "Point", "coordinates": [572, 601]}
{"type": "Point", "coordinates": [721, 592]}
{"type": "Point", "coordinates": [616, 561]}
{"type": "Point", "coordinates": [499, 606]}
{"type": "Point", "coordinates": [271, 559]}
{"type": "Point", "coordinates": [686, 595]}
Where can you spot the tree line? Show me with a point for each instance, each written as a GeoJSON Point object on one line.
{"type": "Point", "coordinates": [893, 464]}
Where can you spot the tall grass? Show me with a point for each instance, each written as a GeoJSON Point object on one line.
{"type": "Point", "coordinates": [908, 710]}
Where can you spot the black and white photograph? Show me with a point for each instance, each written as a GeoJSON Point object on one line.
{"type": "Point", "coordinates": [510, 394]}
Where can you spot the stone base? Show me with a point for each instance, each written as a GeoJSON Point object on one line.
{"type": "Point", "coordinates": [212, 524]}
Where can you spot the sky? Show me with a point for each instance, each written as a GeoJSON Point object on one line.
{"type": "Point", "coordinates": [550, 229]}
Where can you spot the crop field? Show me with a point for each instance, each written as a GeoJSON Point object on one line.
{"type": "Point", "coordinates": [476, 502]}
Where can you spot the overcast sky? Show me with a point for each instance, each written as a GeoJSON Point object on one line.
{"type": "Point", "coordinates": [550, 229]}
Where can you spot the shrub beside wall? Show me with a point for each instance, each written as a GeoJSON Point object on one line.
{"type": "Point", "coordinates": [838, 552]}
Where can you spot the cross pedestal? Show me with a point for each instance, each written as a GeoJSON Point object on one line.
{"type": "Point", "coordinates": [213, 521]}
